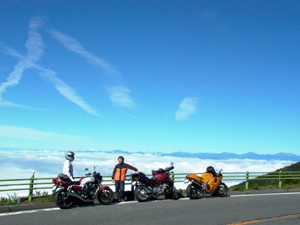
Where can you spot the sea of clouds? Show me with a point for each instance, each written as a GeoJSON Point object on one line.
{"type": "Point", "coordinates": [16, 164]}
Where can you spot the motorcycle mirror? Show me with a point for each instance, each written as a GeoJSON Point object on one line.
{"type": "Point", "coordinates": [86, 169]}
{"type": "Point", "coordinates": [94, 167]}
{"type": "Point", "coordinates": [171, 163]}
{"type": "Point", "coordinates": [221, 170]}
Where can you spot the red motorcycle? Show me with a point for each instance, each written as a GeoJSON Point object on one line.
{"type": "Point", "coordinates": [160, 184]}
{"type": "Point", "coordinates": [84, 191]}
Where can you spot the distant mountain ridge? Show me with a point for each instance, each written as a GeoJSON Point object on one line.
{"type": "Point", "coordinates": [223, 155]}
{"type": "Point", "coordinates": [217, 156]}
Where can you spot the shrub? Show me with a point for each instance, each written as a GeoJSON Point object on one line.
{"type": "Point", "coordinates": [255, 186]}
{"type": "Point", "coordinates": [180, 191]}
{"type": "Point", "coordinates": [11, 200]}
{"type": "Point", "coordinates": [238, 188]}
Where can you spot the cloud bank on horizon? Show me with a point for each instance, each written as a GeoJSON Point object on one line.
{"type": "Point", "coordinates": [21, 163]}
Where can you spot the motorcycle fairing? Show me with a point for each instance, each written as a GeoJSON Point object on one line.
{"type": "Point", "coordinates": [82, 182]}
{"type": "Point", "coordinates": [195, 177]}
{"type": "Point", "coordinates": [77, 187]}
{"type": "Point", "coordinates": [214, 184]}
{"type": "Point", "coordinates": [206, 177]}
{"type": "Point", "coordinates": [161, 177]}
{"type": "Point", "coordinates": [61, 183]}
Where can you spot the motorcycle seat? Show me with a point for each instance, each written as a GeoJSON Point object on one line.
{"type": "Point", "coordinates": [153, 179]}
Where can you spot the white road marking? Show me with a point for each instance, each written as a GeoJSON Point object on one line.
{"type": "Point", "coordinates": [28, 211]}
{"type": "Point", "coordinates": [131, 202]}
{"type": "Point", "coordinates": [252, 195]}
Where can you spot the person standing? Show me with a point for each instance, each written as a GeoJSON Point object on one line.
{"type": "Point", "coordinates": [119, 176]}
{"type": "Point", "coordinates": [68, 167]}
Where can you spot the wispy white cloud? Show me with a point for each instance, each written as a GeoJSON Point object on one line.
{"type": "Point", "coordinates": [119, 95]}
{"type": "Point", "coordinates": [126, 114]}
{"type": "Point", "coordinates": [73, 45]}
{"type": "Point", "coordinates": [186, 108]}
{"type": "Point", "coordinates": [14, 105]}
{"type": "Point", "coordinates": [66, 90]}
{"type": "Point", "coordinates": [34, 47]}
{"type": "Point", "coordinates": [28, 133]}
{"type": "Point", "coordinates": [35, 50]}
{"type": "Point", "coordinates": [35, 44]}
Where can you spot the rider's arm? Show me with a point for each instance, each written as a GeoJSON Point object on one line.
{"type": "Point", "coordinates": [132, 168]}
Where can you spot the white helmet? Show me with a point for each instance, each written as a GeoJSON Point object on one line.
{"type": "Point", "coordinates": [70, 156]}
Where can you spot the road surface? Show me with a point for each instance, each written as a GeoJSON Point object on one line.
{"type": "Point", "coordinates": [260, 209]}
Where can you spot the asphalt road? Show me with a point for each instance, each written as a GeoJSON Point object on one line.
{"type": "Point", "coordinates": [261, 209]}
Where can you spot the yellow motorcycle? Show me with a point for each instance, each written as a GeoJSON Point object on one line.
{"type": "Point", "coordinates": [210, 182]}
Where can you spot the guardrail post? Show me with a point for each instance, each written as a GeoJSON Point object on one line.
{"type": "Point", "coordinates": [247, 180]}
{"type": "Point", "coordinates": [280, 181]}
{"type": "Point", "coordinates": [173, 176]}
{"type": "Point", "coordinates": [31, 187]}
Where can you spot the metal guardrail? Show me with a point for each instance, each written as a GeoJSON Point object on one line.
{"type": "Point", "coordinates": [34, 183]}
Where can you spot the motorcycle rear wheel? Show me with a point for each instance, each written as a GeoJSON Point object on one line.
{"type": "Point", "coordinates": [140, 193]}
{"type": "Point", "coordinates": [222, 190]}
{"type": "Point", "coordinates": [193, 192]}
{"type": "Point", "coordinates": [62, 200]}
{"type": "Point", "coordinates": [106, 196]}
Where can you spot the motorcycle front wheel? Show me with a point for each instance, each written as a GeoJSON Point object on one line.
{"type": "Point", "coordinates": [140, 193]}
{"type": "Point", "coordinates": [62, 200]}
{"type": "Point", "coordinates": [193, 191]}
{"type": "Point", "coordinates": [222, 190]}
{"type": "Point", "coordinates": [106, 196]}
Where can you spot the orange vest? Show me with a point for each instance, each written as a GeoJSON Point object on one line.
{"type": "Point", "coordinates": [121, 170]}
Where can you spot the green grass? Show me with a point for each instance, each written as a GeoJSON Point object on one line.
{"type": "Point", "coordinates": [10, 200]}
{"type": "Point", "coordinates": [39, 197]}
{"type": "Point", "coordinates": [255, 186]}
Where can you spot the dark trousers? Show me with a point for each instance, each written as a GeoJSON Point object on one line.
{"type": "Point", "coordinates": [119, 185]}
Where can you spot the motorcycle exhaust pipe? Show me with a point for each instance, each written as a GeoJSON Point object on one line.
{"type": "Point", "coordinates": [198, 184]}
{"type": "Point", "coordinates": [79, 197]}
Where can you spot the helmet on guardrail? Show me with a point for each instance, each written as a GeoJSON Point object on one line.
{"type": "Point", "coordinates": [70, 156]}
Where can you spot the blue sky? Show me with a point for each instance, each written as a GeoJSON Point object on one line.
{"type": "Point", "coordinates": [192, 76]}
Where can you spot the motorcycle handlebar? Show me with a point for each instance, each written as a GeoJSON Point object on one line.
{"type": "Point", "coordinates": [169, 168]}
